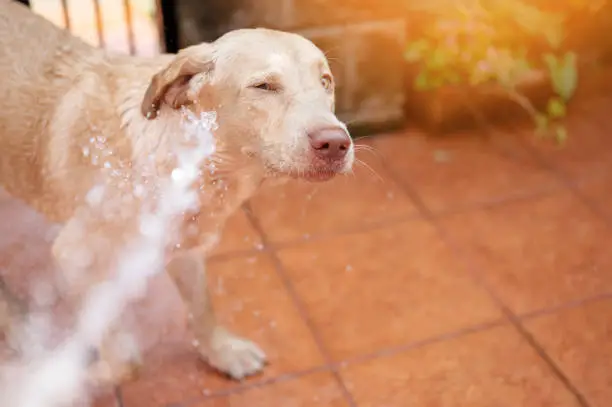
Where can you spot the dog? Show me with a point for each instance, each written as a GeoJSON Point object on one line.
{"type": "Point", "coordinates": [273, 94]}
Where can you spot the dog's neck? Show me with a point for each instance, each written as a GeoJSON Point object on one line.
{"type": "Point", "coordinates": [230, 181]}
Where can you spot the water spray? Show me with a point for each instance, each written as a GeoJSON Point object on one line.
{"type": "Point", "coordinates": [57, 378]}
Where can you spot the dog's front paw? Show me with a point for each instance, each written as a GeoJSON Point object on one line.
{"type": "Point", "coordinates": [102, 373]}
{"type": "Point", "coordinates": [232, 355]}
{"type": "Point", "coordinates": [110, 366]}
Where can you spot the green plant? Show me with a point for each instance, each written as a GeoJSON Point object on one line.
{"type": "Point", "coordinates": [492, 42]}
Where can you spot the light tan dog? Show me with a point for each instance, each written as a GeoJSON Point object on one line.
{"type": "Point", "coordinates": [273, 94]}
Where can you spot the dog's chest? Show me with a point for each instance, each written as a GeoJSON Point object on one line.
{"type": "Point", "coordinates": [26, 237]}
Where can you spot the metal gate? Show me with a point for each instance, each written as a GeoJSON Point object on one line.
{"type": "Point", "coordinates": [165, 21]}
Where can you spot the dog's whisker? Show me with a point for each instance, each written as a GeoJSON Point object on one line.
{"type": "Point", "coordinates": [366, 137]}
{"type": "Point", "coordinates": [129, 127]}
{"type": "Point", "coordinates": [370, 169]}
{"type": "Point", "coordinates": [369, 149]}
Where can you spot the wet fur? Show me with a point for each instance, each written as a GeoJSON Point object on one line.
{"type": "Point", "coordinates": [57, 92]}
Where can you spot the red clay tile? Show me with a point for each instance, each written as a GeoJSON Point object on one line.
{"type": "Point", "coordinates": [599, 193]}
{"type": "Point", "coordinates": [317, 390]}
{"type": "Point", "coordinates": [384, 288]}
{"type": "Point", "coordinates": [299, 210]}
{"type": "Point", "coordinates": [179, 376]}
{"type": "Point", "coordinates": [537, 253]}
{"type": "Point", "coordinates": [580, 341]}
{"type": "Point", "coordinates": [252, 300]}
{"type": "Point", "coordinates": [106, 400]}
{"type": "Point", "coordinates": [238, 236]}
{"type": "Point", "coordinates": [486, 369]}
{"type": "Point", "coordinates": [463, 170]}
{"type": "Point", "coordinates": [584, 155]}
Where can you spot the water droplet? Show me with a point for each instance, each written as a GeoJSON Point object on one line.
{"type": "Point", "coordinates": [441, 156]}
{"type": "Point", "coordinates": [95, 195]}
{"type": "Point", "coordinates": [178, 174]}
{"type": "Point", "coordinates": [139, 191]}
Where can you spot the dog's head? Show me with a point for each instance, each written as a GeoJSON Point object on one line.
{"type": "Point", "coordinates": [274, 97]}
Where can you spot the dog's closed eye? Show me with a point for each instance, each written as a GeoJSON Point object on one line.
{"type": "Point", "coordinates": [267, 86]}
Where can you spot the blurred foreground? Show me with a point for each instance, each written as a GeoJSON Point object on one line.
{"type": "Point", "coordinates": [464, 271]}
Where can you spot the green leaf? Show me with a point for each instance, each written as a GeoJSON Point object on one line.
{"type": "Point", "coordinates": [541, 123]}
{"type": "Point", "coordinates": [437, 82]}
{"type": "Point", "coordinates": [414, 50]}
{"type": "Point", "coordinates": [564, 74]}
{"type": "Point", "coordinates": [453, 77]}
{"type": "Point", "coordinates": [554, 36]}
{"type": "Point", "coordinates": [551, 61]}
{"type": "Point", "coordinates": [569, 76]}
{"type": "Point", "coordinates": [556, 108]}
{"type": "Point", "coordinates": [438, 59]}
{"type": "Point", "coordinates": [561, 134]}
{"type": "Point", "coordinates": [421, 82]}
{"type": "Point", "coordinates": [522, 66]}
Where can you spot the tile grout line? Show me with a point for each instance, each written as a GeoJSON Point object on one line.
{"type": "Point", "coordinates": [565, 178]}
{"type": "Point", "coordinates": [565, 306]}
{"type": "Point", "coordinates": [572, 185]}
{"type": "Point", "coordinates": [270, 249]}
{"type": "Point", "coordinates": [354, 360]}
{"type": "Point", "coordinates": [507, 313]}
{"type": "Point", "coordinates": [513, 319]}
{"type": "Point", "coordinates": [118, 396]}
{"type": "Point", "coordinates": [374, 226]}
{"type": "Point", "coordinates": [348, 396]}
{"type": "Point", "coordinates": [394, 350]}
{"type": "Point", "coordinates": [283, 378]}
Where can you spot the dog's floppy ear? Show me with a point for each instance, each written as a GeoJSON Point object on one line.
{"type": "Point", "coordinates": [171, 85]}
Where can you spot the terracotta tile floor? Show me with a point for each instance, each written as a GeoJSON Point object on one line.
{"type": "Point", "coordinates": [455, 272]}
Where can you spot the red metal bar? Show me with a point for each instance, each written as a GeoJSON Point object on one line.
{"type": "Point", "coordinates": [99, 24]}
{"type": "Point", "coordinates": [66, 14]}
{"type": "Point", "coordinates": [129, 25]}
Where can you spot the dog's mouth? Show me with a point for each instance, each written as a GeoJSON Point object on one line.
{"type": "Point", "coordinates": [313, 171]}
{"type": "Point", "coordinates": [318, 176]}
{"type": "Point", "coordinates": [318, 173]}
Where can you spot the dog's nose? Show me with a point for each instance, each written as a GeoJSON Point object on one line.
{"type": "Point", "coordinates": [331, 143]}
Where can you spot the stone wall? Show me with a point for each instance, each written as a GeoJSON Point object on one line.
{"type": "Point", "coordinates": [363, 39]}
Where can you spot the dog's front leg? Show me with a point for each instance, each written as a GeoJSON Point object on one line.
{"type": "Point", "coordinates": [85, 252]}
{"type": "Point", "coordinates": [226, 352]}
